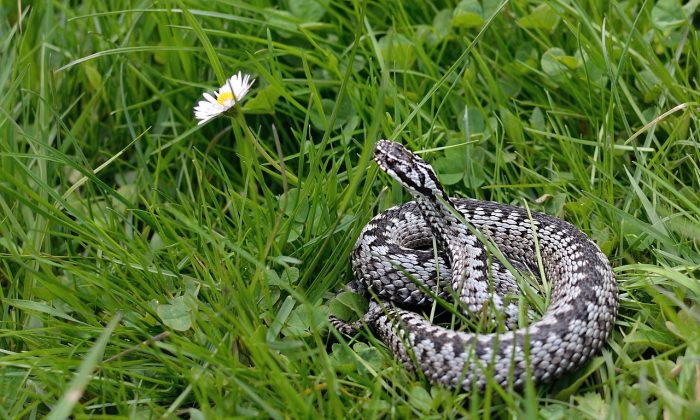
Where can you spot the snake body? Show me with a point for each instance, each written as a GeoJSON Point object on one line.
{"type": "Point", "coordinates": [394, 260]}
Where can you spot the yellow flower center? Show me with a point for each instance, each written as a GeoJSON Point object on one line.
{"type": "Point", "coordinates": [226, 96]}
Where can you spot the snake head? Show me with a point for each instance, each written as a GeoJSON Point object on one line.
{"type": "Point", "coordinates": [408, 169]}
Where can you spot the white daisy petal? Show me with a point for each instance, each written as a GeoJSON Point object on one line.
{"type": "Point", "coordinates": [204, 105]}
{"type": "Point", "coordinates": [209, 98]}
{"type": "Point", "coordinates": [228, 95]}
{"type": "Point", "coordinates": [204, 112]}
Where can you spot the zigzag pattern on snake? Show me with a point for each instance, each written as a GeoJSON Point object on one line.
{"type": "Point", "coordinates": [394, 251]}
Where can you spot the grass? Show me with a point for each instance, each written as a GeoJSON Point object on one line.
{"type": "Point", "coordinates": [150, 267]}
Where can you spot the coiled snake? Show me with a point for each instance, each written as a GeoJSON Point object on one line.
{"type": "Point", "coordinates": [394, 260]}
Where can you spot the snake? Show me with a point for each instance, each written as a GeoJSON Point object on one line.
{"type": "Point", "coordinates": [434, 248]}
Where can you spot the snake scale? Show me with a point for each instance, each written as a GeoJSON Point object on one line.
{"type": "Point", "coordinates": [394, 260]}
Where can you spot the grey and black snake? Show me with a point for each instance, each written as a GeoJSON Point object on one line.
{"type": "Point", "coordinates": [394, 260]}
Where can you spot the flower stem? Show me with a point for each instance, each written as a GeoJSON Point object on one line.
{"type": "Point", "coordinates": [291, 178]}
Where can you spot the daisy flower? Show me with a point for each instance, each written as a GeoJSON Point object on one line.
{"type": "Point", "coordinates": [228, 95]}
